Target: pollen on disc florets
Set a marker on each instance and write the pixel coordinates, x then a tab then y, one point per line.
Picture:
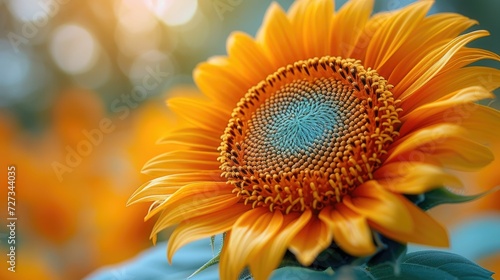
308	134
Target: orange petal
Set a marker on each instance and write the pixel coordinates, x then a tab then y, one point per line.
187	155
192	207
466	56
455	80
246	240
317	28
150	192
273	252
395	32
414	177
432	64
191	138
244	52
277	37
443	144
204	226
354	14
314	237
182	162
380	205
433	32
374	23
167	185
441	110
296	16
192	193
350	230
482	123
426	230
220	81
200	113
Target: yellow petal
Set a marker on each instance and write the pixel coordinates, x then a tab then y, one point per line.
314	237
379	205
355	14
394	33
273	252
350	230
246	240
426	230
204	226
414	177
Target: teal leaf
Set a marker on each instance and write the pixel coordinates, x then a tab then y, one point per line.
334	257
349	272
442	195
427	265
390	253
300	273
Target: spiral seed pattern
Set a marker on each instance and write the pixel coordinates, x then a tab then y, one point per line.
308	135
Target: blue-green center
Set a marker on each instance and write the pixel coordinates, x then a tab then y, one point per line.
300	123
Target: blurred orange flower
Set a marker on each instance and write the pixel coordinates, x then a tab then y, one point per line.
71	210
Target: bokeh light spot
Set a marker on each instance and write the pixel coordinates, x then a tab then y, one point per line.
173	12
73	49
33	10
135	17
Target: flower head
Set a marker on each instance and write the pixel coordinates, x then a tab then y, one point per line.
315	131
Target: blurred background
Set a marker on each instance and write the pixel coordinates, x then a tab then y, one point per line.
82	91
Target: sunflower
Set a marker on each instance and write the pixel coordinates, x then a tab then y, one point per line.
316	131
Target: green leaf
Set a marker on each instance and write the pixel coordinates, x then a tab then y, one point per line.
427	265
213	261
442	195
